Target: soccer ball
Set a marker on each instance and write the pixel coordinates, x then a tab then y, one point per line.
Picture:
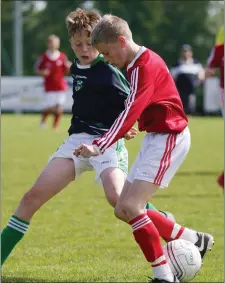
183	258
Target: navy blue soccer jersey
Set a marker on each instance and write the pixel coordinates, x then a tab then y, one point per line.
99	93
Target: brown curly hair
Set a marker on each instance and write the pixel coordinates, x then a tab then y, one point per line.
81	19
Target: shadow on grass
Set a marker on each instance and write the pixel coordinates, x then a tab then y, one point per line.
189	196
199	173
30	280
15	279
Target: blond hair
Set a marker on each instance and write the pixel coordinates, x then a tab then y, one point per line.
54	37
109	29
81	19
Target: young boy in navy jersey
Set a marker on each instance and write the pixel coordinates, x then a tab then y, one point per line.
99	93
154	101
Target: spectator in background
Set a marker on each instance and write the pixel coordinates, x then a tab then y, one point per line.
188	73
53	65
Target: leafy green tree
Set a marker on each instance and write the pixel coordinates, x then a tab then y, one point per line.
6	40
165	25
37	25
162	25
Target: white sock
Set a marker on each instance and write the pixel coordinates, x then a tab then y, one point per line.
189	235
163	272
42	125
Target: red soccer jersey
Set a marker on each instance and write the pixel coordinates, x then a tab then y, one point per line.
56	64
154	100
216	60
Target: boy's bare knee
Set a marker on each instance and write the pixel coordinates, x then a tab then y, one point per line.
130	210
112	200
119	213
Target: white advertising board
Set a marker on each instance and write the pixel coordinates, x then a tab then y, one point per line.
211	98
26	94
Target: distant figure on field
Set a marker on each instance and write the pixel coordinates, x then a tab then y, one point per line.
53	65
188	73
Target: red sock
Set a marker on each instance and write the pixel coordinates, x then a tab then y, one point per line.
220	180
167	229
56	120
147	236
45	115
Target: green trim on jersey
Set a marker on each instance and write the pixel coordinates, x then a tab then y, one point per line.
122	155
121	78
99	58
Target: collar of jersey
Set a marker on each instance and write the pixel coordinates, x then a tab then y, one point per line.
140	51
189	61
53	56
97	60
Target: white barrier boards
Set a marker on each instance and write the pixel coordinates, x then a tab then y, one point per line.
212	93
25	94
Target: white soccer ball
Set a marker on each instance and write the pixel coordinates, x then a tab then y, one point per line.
183	258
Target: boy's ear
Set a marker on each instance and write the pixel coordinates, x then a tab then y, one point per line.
122	41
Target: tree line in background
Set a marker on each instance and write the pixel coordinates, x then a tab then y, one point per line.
162	25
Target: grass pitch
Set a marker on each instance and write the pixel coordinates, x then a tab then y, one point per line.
75	236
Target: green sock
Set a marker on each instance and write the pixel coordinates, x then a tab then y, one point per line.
11	235
150	206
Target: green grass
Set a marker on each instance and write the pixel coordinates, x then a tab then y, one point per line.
75	236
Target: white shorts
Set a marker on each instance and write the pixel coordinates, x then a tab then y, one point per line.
160	157
53	98
116	156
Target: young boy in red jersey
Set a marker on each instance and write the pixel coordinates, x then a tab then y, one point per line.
53	65
216	60
154	101
102	86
